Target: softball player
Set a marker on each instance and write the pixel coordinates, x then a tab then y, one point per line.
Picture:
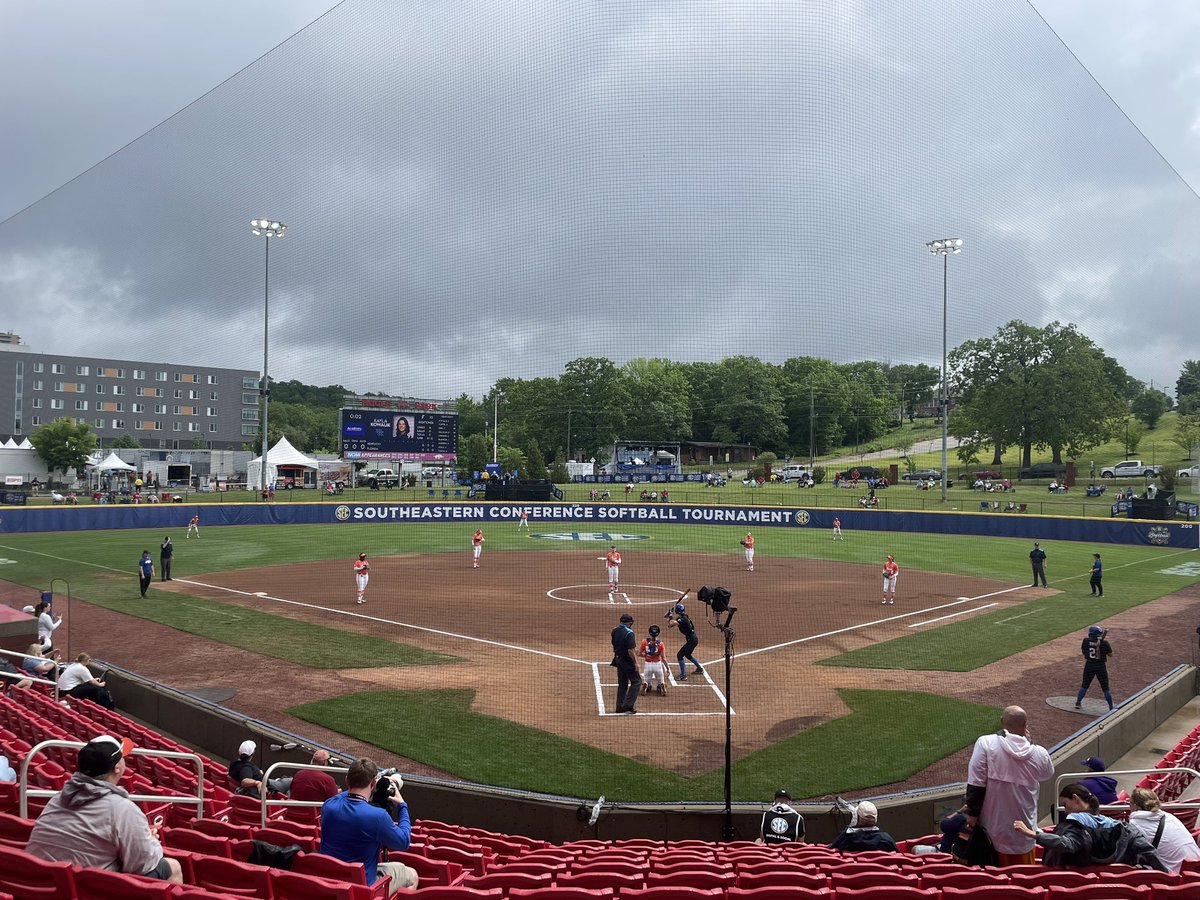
524	520
651	651
748	543
891	572
362	574
612	565
477	540
193	528
837	529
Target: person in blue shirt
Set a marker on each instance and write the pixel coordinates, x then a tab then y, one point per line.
353	830
145	572
1097	574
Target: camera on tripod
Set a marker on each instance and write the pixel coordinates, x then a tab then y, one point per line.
716	597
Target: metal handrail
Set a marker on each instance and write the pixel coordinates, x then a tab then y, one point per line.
26	792
17	654
1068	777
265	802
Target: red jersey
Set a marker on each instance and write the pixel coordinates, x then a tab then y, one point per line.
837	523
652	650
477	539
748	543
195	520
524	514
361	566
890	569
612	558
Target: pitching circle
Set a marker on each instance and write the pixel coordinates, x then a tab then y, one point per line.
597	595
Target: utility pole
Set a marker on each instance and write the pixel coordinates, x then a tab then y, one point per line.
812	429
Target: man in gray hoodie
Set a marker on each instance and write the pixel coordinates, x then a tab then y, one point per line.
92	822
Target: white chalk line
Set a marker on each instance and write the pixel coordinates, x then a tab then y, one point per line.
1019	616
961	612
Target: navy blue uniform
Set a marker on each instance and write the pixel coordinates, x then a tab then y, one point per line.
1096	651
1097	574
688	630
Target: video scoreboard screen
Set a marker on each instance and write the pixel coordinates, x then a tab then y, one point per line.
400	429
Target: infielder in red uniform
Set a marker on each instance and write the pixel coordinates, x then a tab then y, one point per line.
362	574
477	540
612	565
891	572
748	543
837	529
193	526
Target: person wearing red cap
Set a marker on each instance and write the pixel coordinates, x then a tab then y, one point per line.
891	572
92	822
362	574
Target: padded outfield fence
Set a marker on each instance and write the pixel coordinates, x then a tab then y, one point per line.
1181	535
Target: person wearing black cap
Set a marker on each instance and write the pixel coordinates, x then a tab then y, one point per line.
629	679
781	824
92	822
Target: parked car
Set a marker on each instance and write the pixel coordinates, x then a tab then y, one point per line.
922	475
791	473
982	475
1192	472
1043	470
864	472
1128	468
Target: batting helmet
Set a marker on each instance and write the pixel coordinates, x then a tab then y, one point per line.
1095	631
679	607
655	631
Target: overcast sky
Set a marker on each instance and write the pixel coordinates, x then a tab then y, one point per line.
487	189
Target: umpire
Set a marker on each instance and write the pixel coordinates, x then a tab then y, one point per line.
629	679
1037	559
690	641
1096	651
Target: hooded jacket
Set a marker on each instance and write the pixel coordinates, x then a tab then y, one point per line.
93	823
1002	786
1082	840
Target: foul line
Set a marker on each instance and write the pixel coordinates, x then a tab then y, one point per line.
1021	616
961	612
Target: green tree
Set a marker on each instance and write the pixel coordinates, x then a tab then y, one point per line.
660	401
1187	433
595	392
1134	433
474	453
471	417
535	463
750	409
915	386
1149	406
1187	387
126	441
817	402
64	444
559	473
511	459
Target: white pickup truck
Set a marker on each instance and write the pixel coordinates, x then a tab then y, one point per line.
1130	468
379	478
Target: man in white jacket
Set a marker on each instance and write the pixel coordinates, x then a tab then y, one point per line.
92	822
1002	786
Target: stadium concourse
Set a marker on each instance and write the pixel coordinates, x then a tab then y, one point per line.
213	837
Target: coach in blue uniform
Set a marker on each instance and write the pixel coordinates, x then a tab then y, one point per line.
1096	651
1097	574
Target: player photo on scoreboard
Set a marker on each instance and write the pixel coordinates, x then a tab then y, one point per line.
402	427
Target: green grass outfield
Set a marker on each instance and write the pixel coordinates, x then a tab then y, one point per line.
444	731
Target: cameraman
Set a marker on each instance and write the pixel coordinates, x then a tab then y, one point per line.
678	618
354	830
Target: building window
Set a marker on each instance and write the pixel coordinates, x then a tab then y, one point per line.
246	382
58	386
99	389
193	395
57	404
249	430
249	399
37	403
99	423
178	377
36	420
177	410
212	379
81	404
178	394
212	411
118	423
37	385
138	408
249	415
119	390
177	426
212	395
58	369
120	407
80	387
212	428
39	367
160	376
193	426
160	409
81	370
139	374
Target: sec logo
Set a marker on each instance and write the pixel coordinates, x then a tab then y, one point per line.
342	513
802	517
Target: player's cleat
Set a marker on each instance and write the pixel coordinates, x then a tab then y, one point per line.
645	688
699	671
884	601
891	603
1079	706
662	689
360	601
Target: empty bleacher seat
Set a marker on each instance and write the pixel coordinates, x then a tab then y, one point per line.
30	878
100	884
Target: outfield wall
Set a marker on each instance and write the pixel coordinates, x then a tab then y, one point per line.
1184	535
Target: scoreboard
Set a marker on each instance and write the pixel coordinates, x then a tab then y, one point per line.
399	429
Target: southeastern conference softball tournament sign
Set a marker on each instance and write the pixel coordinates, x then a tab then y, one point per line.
485	512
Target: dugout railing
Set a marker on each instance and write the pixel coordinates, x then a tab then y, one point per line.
25	791
266	803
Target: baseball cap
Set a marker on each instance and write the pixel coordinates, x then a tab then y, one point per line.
100	755
247	748
1095	763
867	810
891	557
362	556
781	794
626	617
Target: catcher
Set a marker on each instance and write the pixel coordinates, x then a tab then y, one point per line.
652	650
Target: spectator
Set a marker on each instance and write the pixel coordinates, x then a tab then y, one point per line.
47	625
781	824
312	785
92	822
863	832
952	826
78	681
1083	838
8	774
245	775
1169	837
353	830
1002	786
17	678
40	666
1104	787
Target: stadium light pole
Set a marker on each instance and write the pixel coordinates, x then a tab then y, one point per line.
945	247
266	229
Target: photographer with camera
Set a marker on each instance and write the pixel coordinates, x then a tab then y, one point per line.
1096	651
368	816
678	618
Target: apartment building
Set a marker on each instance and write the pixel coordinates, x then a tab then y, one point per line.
164	406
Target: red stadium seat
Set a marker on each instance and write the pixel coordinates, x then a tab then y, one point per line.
1184	891
783	877
1123	875
694	878
673	892
992	892
28	877
779	893
292	886
286	839
14	831
197	842
887	893
1109	891
559	893
231	877
442	892
352	873
840	881
623	867
1052	878
598	879
962	879
429	871
218	828
508	880
99	884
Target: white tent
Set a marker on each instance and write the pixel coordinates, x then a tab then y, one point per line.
283	454
26	445
10	444
114	463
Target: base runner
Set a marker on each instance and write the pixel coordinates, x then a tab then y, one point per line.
362	574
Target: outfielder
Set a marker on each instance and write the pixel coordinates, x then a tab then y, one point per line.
362	574
524	520
652	649
193	526
748	543
612	565
477	540
891	572
837	529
